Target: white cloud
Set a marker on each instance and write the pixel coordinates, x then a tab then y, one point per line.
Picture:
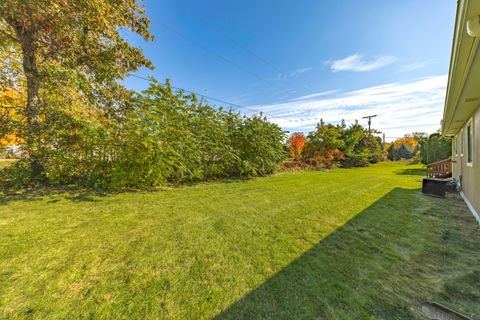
402	107
414	66
357	63
293	74
315	95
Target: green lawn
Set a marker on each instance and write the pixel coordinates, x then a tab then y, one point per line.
349	243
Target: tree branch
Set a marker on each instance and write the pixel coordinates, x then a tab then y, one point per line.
6	34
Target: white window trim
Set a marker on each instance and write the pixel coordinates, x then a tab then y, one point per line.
470	124
461	143
455	145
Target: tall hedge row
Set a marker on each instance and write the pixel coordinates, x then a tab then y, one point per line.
159	136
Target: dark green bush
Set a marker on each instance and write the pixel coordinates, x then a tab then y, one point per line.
435	148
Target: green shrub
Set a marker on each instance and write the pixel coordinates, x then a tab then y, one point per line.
353	146
435	148
158	137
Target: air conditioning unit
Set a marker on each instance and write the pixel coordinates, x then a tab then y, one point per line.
435	186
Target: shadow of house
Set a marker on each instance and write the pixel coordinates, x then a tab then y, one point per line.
412	172
382	264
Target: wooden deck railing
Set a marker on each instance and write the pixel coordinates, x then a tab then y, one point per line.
440	169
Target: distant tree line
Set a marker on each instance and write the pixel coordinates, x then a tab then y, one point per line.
420	147
405	148
334	145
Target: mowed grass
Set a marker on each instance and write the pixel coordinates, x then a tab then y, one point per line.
349	243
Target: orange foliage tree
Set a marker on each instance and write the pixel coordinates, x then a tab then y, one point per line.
326	159
403	148
11	107
296	144
409	142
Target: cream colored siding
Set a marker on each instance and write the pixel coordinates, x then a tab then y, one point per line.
468	171
461	115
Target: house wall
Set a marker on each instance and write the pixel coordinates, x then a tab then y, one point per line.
470	173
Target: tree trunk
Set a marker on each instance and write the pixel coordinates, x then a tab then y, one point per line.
26	37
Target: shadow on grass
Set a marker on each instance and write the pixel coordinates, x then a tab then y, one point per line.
72	194
77	194
412	172
377	265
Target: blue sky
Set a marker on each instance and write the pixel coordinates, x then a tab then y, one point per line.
303	60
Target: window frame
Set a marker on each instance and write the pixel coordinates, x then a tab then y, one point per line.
460	136
469	139
455	146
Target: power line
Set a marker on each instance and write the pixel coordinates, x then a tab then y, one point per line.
213	99
189	39
219	100
223	34
191	92
230	103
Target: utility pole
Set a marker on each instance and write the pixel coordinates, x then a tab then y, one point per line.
383	147
369	123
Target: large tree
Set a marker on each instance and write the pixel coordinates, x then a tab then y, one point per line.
76	37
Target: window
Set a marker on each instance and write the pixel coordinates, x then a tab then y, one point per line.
469	143
455	146
461	143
